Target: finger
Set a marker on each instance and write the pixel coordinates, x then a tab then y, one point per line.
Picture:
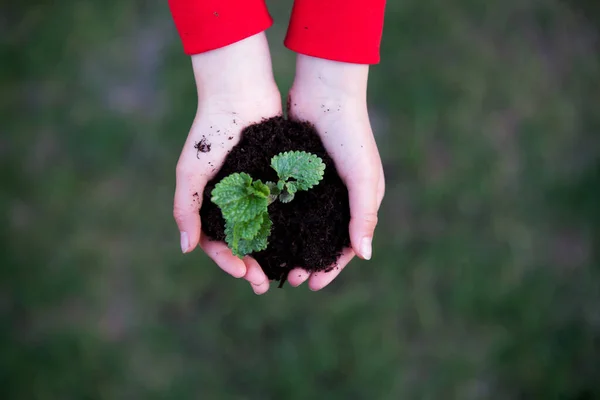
262	288
221	255
187	202
318	280
362	193
254	273
297	276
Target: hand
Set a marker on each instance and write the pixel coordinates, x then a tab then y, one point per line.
235	89
332	96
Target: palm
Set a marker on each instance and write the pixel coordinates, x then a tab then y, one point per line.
214	133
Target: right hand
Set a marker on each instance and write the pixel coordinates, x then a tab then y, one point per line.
235	89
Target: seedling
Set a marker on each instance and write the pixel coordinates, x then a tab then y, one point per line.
244	202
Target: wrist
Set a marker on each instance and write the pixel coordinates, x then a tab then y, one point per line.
242	69
333	79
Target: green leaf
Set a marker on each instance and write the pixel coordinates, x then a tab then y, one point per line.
232	238
280	185
260	189
238	199
291	187
286	197
274	192
273	189
249	229
306	168
240	246
230	189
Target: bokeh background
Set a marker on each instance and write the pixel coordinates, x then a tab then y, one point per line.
485	280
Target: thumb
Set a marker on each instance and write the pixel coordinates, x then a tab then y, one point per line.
363	215
186	206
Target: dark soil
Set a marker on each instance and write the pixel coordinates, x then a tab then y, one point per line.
202	146
309	232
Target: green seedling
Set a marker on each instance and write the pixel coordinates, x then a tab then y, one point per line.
244	202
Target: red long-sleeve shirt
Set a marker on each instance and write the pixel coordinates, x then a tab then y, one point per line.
340	30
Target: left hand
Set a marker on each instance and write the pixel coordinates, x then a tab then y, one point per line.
332	96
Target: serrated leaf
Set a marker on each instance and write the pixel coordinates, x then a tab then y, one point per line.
286	197
260	189
249	229
291	187
241	247
260	241
274	192
238	199
231	189
245	209
273	189
306	168
280	185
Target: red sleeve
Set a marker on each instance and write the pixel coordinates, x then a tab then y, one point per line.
339	30
205	25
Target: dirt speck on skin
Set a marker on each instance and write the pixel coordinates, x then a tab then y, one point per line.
203	146
230	138
216	14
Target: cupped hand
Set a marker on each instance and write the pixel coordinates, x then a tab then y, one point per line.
332	96
235	89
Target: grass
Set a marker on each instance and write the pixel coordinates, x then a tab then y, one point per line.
484	282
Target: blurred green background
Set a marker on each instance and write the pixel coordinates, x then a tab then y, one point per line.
485	281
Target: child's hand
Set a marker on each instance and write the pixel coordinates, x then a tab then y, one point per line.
332	96
235	89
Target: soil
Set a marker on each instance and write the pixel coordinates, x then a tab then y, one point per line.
309	232
202	146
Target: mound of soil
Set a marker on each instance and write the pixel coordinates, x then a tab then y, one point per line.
309	232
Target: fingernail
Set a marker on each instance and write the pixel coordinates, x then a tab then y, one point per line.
185	242
365	248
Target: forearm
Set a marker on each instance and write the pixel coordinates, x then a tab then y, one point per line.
333	78
235	70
